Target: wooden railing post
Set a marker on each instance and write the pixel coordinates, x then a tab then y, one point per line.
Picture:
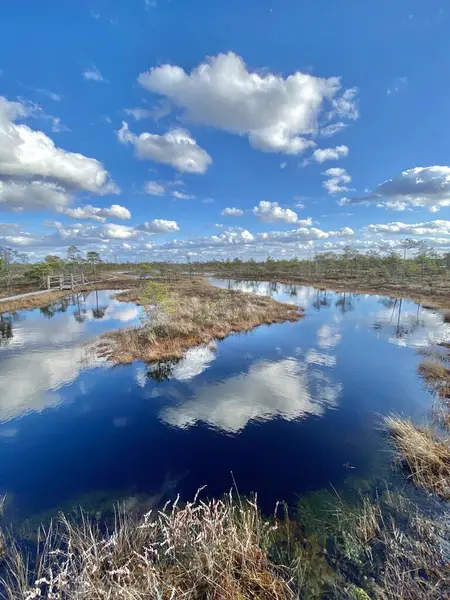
61	282
48	282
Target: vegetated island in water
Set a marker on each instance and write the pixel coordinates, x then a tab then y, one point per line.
381	547
187	311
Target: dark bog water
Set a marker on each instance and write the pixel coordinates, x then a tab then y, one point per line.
287	409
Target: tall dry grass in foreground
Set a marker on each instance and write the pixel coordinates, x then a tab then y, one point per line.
186	312
214	549
426	456
224	549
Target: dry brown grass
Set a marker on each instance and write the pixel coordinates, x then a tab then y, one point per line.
196	313
434	371
29	302
36	301
219	550
426	456
204	550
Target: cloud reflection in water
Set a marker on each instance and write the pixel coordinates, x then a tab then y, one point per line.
288	389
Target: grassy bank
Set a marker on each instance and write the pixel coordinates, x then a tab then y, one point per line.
29	302
37	301
425	455
434	292
185	312
425	451
381	548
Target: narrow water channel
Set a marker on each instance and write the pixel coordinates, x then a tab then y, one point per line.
283	410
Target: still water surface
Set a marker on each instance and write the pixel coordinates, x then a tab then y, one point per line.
287	408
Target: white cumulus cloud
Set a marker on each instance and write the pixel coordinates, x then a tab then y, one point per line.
438	227
322	154
175	148
420	187
154	188
336	180
232	212
277	114
35	195
271	212
27	154
115	211
159	226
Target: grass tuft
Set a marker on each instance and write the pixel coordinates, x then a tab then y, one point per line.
434	371
426	456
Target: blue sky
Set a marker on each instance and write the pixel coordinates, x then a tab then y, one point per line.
131	127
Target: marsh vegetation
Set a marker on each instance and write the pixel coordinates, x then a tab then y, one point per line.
380	547
187	311
425	451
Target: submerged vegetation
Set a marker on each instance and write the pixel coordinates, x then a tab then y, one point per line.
383	548
184	312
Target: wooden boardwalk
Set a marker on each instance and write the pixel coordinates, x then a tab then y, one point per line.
65	282
78	285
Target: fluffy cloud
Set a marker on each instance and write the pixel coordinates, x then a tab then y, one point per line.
154	188
303	234
238	237
277	114
271	212
438	227
99	236
28	154
382	243
115	211
322	154
37	175
427	187
231	237
175	148
336	180
232	212
34	195
159	226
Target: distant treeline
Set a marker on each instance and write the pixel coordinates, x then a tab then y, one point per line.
414	260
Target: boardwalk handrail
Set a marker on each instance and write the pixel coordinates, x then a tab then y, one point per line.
65	282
